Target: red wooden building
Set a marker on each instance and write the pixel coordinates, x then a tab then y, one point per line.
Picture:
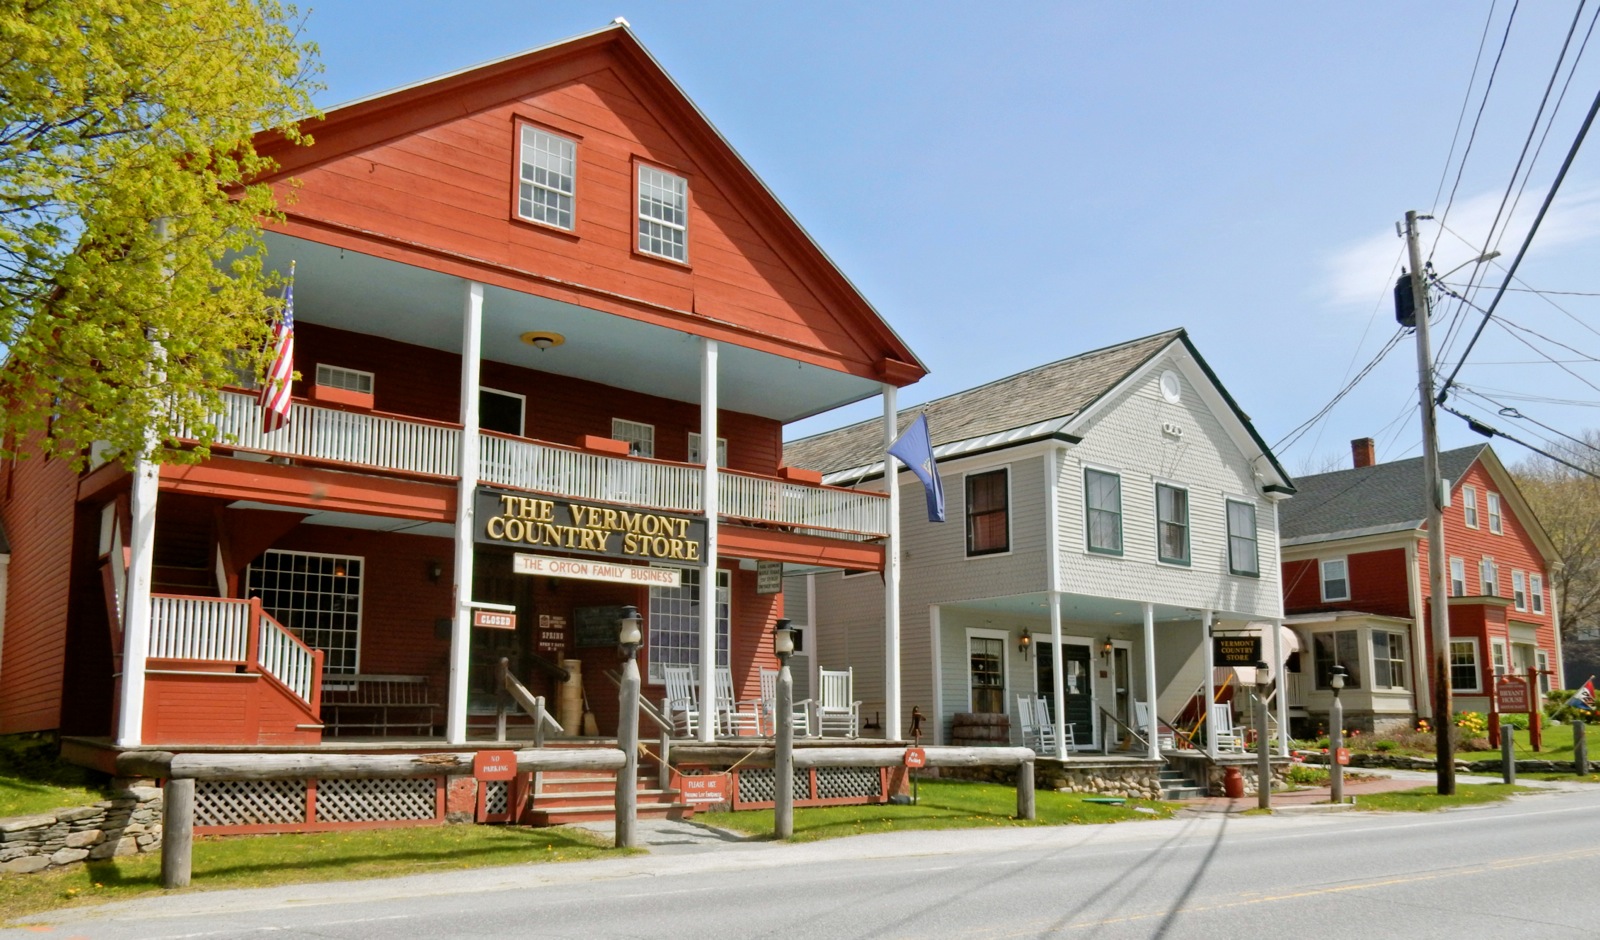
1355	576
543	309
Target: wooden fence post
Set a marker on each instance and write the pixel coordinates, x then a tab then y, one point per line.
177	833
1025	807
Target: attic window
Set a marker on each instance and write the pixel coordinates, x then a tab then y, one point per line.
547	186
663	214
350	380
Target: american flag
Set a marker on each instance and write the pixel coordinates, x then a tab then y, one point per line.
275	398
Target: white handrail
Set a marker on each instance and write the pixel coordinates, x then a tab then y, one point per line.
202	628
351	437
285	658
581	475
813	507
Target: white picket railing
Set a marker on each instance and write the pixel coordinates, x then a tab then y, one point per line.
387	443
202	628
1297	688
285	658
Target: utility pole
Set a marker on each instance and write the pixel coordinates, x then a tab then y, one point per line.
1440	662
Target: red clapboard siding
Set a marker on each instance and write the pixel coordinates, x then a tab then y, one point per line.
39	522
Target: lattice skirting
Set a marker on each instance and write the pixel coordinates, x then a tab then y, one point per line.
496	797
825	786
308	804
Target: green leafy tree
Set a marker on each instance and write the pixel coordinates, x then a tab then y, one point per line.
1567	503
130	228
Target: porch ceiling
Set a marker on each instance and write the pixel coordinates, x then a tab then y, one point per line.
364	294
1080	607
354	520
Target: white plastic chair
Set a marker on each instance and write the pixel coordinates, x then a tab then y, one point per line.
1047	726
800	716
835	710
1222	730
1166	739
681	706
735	717
1027	717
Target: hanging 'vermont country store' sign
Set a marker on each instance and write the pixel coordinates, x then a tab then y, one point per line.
521	520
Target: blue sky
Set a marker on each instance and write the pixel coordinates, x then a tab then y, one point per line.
1013	184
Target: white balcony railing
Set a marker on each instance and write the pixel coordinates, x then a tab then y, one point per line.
387	443
199	628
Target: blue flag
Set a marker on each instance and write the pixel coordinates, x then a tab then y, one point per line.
915	450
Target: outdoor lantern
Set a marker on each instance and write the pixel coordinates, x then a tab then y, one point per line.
1025	642
782	639
629	635
1336	680
1105	651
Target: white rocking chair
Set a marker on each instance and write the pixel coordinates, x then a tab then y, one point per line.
835	710
735	717
1222	730
800	717
1166	738
681	706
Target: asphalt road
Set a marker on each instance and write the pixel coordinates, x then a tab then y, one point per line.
1519	869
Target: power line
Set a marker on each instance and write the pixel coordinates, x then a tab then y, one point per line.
1491	432
1301	429
1507	411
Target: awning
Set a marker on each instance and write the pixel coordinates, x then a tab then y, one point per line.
1246	675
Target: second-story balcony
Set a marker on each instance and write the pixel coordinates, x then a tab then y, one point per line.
374	441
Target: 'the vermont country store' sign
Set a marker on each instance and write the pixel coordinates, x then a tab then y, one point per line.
516	520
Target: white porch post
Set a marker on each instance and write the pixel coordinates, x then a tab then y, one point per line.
136	613
708	576
1057	680
891	573
1052	559
1211	683
466	487
1152	740
1283	688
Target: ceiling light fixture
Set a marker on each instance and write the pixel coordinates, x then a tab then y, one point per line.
543	339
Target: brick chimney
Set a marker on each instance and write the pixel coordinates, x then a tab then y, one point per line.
1364	452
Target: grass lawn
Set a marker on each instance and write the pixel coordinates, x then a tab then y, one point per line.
258	861
942	804
21	797
1427	799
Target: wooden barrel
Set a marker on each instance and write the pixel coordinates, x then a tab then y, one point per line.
979	729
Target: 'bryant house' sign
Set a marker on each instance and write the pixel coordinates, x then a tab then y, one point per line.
516	520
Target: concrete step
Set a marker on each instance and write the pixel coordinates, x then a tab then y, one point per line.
1182	793
590	797
598	812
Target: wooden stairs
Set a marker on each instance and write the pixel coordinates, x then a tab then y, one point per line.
571	796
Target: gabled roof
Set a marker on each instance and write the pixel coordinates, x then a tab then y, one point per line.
1042	402
1385	497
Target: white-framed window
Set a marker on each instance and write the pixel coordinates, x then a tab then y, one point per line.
1335	579
548	182
641	437
1536	592
1546	681
695	457
1102	501
1244	555
663	214
501	411
317	597
350	380
674	624
1519	590
1489	577
986	671
1497	655
1469	506
1464	666
989	512
1458	578
1495	522
1389	660
1172	524
1337	646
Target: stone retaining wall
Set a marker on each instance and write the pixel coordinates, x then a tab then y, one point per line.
1139	781
1217	773
129	823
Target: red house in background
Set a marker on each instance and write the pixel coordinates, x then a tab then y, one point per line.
543	309
1355	574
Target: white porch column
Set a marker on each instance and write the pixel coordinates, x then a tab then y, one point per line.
1057	680
1153	716
136	612
891	573
1283	688
455	727
708	576
1211	682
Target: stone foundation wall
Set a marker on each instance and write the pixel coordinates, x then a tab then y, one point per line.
1217	773
129	823
1136	781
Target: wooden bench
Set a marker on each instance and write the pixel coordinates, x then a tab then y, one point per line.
374	704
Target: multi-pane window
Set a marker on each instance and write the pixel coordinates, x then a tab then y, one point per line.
1489	576
1545	679
988	516
548	178
674	626
1536	592
1464	665
318	597
1335	579
987	673
1469	506
1519	590
1497	652
1388	660
352	380
1102	498
663	214
1495	523
695	456
1338	646
641	438
1458	578
1243	555
1172	524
